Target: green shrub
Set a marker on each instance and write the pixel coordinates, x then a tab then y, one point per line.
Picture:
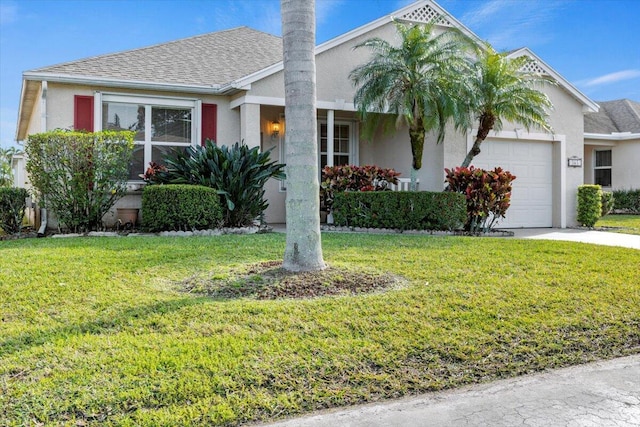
337	179
627	201
6	173
239	173
79	175
12	206
175	207
487	193
607	202
403	210
589	204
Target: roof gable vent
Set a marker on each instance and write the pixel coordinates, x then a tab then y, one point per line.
426	14
533	67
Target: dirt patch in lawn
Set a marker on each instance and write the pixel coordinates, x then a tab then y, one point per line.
269	281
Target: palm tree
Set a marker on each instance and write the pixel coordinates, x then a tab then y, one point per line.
413	84
303	251
500	88
6	173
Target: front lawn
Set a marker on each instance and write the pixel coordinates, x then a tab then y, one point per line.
95	331
628	224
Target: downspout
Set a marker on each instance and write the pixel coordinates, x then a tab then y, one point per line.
43	128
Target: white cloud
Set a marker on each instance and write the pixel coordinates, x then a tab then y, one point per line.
611	78
480	15
325	8
509	24
8	13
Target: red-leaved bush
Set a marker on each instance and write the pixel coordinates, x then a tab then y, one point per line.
488	194
353	178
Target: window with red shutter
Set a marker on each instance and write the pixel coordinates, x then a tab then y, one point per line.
83	113
209	122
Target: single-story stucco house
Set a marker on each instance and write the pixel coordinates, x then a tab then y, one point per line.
228	86
612	145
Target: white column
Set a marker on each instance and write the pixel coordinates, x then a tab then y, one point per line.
330	126
250	124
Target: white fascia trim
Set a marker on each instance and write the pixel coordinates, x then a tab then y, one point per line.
612	136
357	32
589	106
21	110
129	84
279	102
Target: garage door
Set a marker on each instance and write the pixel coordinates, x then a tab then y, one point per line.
532	164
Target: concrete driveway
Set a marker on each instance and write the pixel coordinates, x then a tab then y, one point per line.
584	236
599	394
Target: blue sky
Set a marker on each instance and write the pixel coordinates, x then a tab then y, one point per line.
595	44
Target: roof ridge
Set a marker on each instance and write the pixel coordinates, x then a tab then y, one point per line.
137	49
634	111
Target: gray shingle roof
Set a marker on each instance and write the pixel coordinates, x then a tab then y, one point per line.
209	59
622	115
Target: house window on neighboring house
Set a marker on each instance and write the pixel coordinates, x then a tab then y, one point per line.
602	171
161	126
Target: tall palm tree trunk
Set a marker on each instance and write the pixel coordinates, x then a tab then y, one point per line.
303	250
487	121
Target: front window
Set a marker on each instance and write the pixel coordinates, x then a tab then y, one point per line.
602	171
340	152
160	129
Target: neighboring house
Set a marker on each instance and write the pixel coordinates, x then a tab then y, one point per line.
228	86
612	145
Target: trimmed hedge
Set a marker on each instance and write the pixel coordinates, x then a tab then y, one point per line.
12	206
607	202
627	201
589	204
402	210
175	207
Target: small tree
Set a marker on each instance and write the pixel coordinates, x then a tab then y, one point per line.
12	206
500	88
6	174
79	175
414	84
488	195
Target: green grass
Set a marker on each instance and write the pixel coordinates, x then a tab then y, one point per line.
628	224
94	331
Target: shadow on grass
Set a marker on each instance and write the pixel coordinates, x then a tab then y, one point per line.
111	324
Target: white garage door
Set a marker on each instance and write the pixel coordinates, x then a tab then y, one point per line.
532	164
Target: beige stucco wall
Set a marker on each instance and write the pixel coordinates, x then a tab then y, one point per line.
60	106
625	157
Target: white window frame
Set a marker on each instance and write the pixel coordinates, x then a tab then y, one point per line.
149	102
353	146
606	167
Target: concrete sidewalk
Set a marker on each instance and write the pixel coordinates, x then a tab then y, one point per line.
599	394
567	234
576	235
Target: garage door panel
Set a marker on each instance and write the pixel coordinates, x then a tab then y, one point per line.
532	164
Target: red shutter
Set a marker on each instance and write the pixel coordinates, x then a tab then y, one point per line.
83	113
209	122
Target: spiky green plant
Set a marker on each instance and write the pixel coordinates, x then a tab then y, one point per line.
237	172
